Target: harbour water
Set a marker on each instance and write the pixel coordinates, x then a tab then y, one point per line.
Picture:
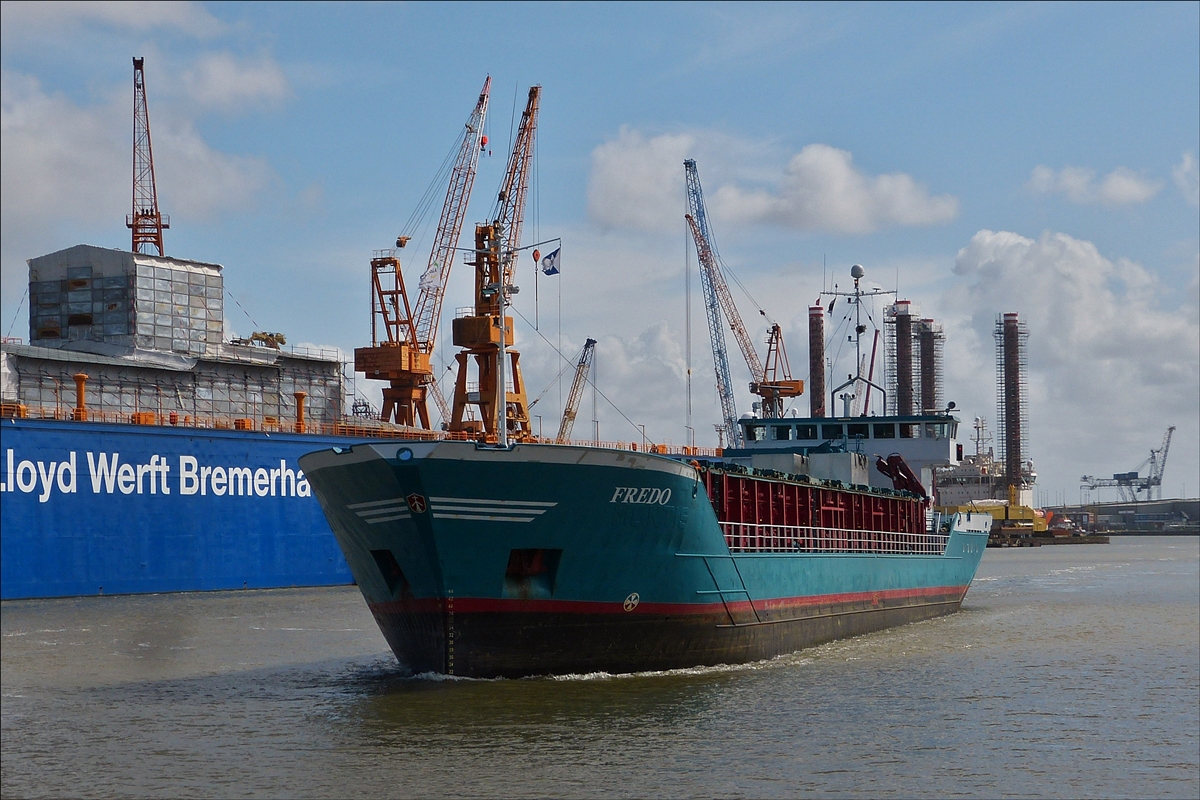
1071	671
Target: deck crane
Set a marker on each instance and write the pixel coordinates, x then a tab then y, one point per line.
146	222
487	333
572	408
1129	484
400	352
773	383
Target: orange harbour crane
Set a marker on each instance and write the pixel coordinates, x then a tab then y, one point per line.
572	407
146	222
487	334
776	384
403	335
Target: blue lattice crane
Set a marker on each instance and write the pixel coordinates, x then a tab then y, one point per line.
706	252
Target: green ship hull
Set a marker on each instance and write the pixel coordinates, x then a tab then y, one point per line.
548	559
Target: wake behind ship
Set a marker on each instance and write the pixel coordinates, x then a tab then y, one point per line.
544	559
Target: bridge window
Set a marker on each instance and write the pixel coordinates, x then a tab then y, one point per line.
859	430
756	433
910	430
808	432
781	432
832	431
935	430
885	430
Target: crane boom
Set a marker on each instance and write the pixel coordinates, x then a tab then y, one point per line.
146	222
1130	484
1158	461
509	214
401	355
454	209
698	222
486	334
572	407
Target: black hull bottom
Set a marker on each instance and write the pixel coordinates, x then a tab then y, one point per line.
519	643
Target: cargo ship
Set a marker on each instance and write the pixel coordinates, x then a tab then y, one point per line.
508	556
544	559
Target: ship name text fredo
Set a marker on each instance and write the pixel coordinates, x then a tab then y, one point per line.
643	496
108	474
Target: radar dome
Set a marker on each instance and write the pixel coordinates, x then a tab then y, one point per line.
857	271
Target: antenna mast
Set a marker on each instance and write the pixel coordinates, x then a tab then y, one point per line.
146	222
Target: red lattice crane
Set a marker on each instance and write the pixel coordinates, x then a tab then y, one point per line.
479	334
776	384
146	222
402	335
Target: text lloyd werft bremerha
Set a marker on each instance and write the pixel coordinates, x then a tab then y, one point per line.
108	475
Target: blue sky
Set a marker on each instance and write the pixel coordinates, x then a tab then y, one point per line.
1012	157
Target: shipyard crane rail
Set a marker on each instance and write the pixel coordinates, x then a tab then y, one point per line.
572	407
400	353
146	222
697	219
1130	484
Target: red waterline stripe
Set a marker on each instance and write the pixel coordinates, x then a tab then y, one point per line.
468	605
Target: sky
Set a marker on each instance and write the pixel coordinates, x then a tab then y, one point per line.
977	158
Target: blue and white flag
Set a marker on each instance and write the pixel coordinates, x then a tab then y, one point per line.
550	263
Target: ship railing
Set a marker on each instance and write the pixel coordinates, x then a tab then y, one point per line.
349	426
745	537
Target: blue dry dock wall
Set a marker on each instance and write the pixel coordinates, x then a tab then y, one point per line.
88	508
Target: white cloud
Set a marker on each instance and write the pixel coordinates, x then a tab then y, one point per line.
637	182
1120	187
822	190
223	82
189	18
1110	364
1187	178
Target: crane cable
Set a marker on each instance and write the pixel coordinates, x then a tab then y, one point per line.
595	388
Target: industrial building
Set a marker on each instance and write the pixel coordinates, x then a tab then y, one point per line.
146	333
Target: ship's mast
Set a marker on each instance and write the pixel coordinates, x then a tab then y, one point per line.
852	383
